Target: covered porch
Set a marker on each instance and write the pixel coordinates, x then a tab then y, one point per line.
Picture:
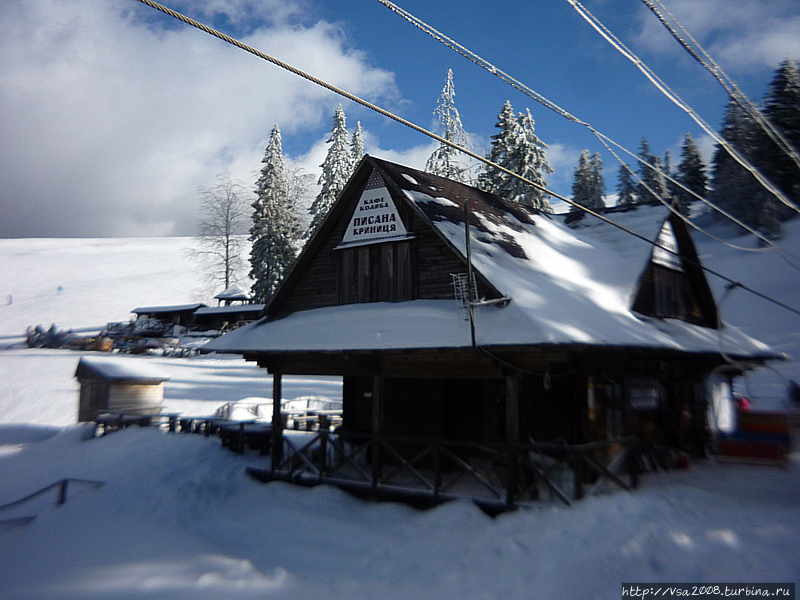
501	426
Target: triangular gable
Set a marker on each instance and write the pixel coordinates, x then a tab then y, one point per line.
662	256
375	217
315	276
674	285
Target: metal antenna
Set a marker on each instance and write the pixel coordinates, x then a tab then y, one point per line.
470	281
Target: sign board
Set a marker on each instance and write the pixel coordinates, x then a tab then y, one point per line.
644	394
375	219
666	238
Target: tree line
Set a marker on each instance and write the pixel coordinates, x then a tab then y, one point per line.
724	182
277	232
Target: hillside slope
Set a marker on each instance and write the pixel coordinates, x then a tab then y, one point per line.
101	280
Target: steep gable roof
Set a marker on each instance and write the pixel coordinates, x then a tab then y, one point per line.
675	285
565	288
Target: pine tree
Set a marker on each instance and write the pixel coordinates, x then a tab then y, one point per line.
691	173
444	160
649	178
626	189
734	188
336	170
581	186
672	189
492	180
357	144
588	186
528	158
598	182
782	108
274	226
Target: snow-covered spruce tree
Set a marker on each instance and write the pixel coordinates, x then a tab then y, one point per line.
650	178
672	189
782	108
528	158
626	188
733	187
581	186
492	180
336	170
691	173
275	225
598	182
587	185
357	144
445	161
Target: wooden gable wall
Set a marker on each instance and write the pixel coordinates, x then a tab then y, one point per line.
325	276
681	293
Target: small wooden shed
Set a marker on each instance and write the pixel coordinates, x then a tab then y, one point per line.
230	295
118	385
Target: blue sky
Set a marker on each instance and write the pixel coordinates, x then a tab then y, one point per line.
114	115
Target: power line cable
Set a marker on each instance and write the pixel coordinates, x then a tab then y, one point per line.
661	86
698	53
604	139
382	111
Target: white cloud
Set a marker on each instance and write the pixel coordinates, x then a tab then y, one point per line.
112	124
740	34
563	159
242	12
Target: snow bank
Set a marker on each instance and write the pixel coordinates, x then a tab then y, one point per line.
178	518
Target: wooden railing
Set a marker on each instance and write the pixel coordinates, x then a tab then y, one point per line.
62	485
437	470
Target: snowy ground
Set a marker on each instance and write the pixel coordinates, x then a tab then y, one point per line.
178	518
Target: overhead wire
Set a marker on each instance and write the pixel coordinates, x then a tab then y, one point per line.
604	139
699	54
382	111
669	93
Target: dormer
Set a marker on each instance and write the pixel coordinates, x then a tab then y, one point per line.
673	284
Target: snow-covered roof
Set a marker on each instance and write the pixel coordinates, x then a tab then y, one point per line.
232	293
153	310
565	288
118	369
236	308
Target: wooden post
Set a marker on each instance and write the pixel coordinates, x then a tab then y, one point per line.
277	421
323	444
377	426
512	434
62	492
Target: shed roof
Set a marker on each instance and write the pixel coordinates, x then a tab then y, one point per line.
237	308
133	370
232	293
153	310
565	287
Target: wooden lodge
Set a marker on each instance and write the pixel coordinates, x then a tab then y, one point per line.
482	377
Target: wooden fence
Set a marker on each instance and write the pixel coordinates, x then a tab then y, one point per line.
496	475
